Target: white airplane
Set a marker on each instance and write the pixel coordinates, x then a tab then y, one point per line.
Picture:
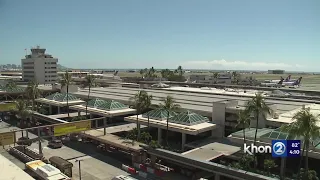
160	85
293	84
278	83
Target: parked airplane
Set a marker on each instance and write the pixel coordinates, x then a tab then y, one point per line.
293	84
278	80
273	84
160	85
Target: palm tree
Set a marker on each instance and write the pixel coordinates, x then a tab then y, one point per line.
234	75
244	122
179	70
21	110
33	92
141	102
66	81
304	125
169	105
90	82
11	84
215	76
258	106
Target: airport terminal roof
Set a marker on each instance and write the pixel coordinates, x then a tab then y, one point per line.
60	99
211	151
250	133
108	105
198	102
192	129
287	116
16	89
106	108
188	118
159	114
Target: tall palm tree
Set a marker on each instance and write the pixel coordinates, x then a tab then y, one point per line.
179	70
90	82
11	84
215	76
21	110
169	105
257	106
141	102
244	122
33	92
304	125
66	81
234	75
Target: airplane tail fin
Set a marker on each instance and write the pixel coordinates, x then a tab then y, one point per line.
288	78
281	80
115	73
298	81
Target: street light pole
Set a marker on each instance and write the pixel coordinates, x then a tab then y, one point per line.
79	161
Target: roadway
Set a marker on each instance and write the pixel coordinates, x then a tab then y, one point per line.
187	100
95	166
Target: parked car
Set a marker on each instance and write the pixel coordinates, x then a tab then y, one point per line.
57	143
24	141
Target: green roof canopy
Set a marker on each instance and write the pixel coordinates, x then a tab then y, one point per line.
12	90
95	103
250	132
108	105
188	118
61	97
159	114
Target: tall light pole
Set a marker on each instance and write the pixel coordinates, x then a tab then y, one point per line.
79	161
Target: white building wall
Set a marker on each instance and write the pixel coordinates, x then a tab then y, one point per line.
40	67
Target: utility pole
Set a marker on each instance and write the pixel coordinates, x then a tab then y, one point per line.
79	161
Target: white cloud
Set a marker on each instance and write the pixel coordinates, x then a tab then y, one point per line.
240	65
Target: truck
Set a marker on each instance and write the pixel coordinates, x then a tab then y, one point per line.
40	170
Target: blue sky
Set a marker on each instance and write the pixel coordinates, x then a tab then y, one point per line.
209	34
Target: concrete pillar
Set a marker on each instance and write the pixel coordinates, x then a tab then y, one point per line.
58	109
39	142
216	177
218	118
97	123
104	126
159	135
183	141
50	110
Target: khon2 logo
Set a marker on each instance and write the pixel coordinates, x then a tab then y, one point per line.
279	148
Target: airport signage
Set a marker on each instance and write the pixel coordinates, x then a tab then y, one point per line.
67	128
7	138
279	148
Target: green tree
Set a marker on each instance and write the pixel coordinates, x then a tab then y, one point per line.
244	122
11	84
33	92
169	105
215	77
307	175
141	102
66	81
89	82
179	70
234	75
258	107
146	137
22	111
304	125
269	164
